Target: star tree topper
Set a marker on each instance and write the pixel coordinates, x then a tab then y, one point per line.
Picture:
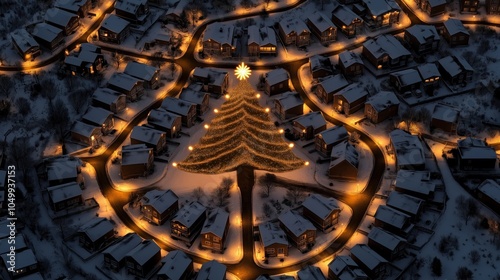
242	71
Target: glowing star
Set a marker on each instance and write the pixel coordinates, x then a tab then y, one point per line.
242	71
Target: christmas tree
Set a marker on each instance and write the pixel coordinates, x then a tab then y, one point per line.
241	134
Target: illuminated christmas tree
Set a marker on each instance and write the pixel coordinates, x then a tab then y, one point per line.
241	134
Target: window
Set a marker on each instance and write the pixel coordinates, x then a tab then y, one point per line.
281	250
216	239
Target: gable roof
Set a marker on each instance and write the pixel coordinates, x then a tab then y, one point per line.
445	113
380	7
276	76
193	96
189	213
333	134
345	15
272	234
106	95
96	228
384	238
296	223
403	202
406	144
382	100
352	93
345	268
334	83
216	222
114	23
97	115
455	26
386	44
320	21
65	191
175	263
291	24
311	273
146	135
407	77
454	65
428	70
344	151
130	6
124	81
219	32
262	36
119	250
289	100
58	16
367	256
321	206
62	168
160	200
473	148
319	62
313	119
391	216
423	32
212	270
414	181
162	118
23	40
84	129
144	251
177	106
24	259
46	32
349	58
135	154
491	189
140	70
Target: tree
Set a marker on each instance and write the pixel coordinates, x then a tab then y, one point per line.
4	107
436	267
267	210
463	273
267	183
226	185
20	152
117	59
6	85
219	197
409	117
474	256
467	207
58	118
295	194
78	99
198	194
23	106
48	88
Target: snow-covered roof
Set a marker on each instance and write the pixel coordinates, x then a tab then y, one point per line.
215	76
140	70
19	241
216	222
289	100
491	189
383	100
73	60
84	129
193	96
23	40
271	233
391	216
454	65
175	263
144	251
345	268
276	76
62	168
321	206
384	238
386	44
119	250
311	273
380	7
97	115
46	32
318	62
345	15
445	113
332	84
160	200
434	3
96	228
212	270
146	135
333	134
320	20
344	151
404	202
58	16
88	57
135	154
114	23
177	106
189	213
219	32
162	118
455	26
423	32
262	36
408	148
124	81
23	259
70	5
367	256
313	119
415	181
473	148
295	223
291	24
349	58
352	93
65	191
177	7
88	47
407	77
106	95
428	70
130	6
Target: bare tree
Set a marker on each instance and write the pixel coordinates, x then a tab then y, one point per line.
78	99
409	117
58	118
226	185
267	210
198	193
23	106
48	88
219	197
267	183
474	256
6	85
463	273
467	207
20	152
295	195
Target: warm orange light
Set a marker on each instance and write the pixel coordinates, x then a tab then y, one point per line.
206	126
290	145
306	163
281	130
216	111
174	164
267	110
258	95
190	148
227	96
242	71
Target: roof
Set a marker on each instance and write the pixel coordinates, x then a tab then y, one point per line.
454	65
23	40
473	148
407	77
129	6
46	32
320	20
119	250
160	200
140	70
175	263
271	233
62	168
162	118
178	7
383	100
345	15
333	134
291	24
58	16
445	113
114	23
71	5
212	270
189	213
295	223
84	129
391	216
135	154
73	60
384	238
20	243
367	256
65	191
220	32
177	106
344	151
24	259
408	148
415	181
289	100
88	47
313	119
216	222
491	189
96	228
455	26
97	115
276	76
434	3
106	95
423	32
403	202
122	80
318	62
349	58
428	70
386	44
144	251
311	273
263	36
193	96
332	84
352	93
345	268
146	135
215	76
321	206
380	7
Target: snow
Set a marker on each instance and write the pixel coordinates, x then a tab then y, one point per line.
65	191
471	148
19	242
333	134
407	77
130	6
404	203
162	118
392	217
292	24
193	96
221	33
333	84
384	238
46	32
386	45
175	263
491	189
405	145
119	250
123	81
96	228
106	95
146	135
84	129
321	206
216	222
23	259
367	256
415	181
428	71
352	93
177	106
289	100
135	154
319	62
345	15
380	7
58	17
144	252
344	151
189	214
313	119
345	268
140	70
295	223
24	40
97	116
445	113
271	233
453	65
160	200
276	76
310	273
320	21
62	168
262	36
455	26
423	33
212	270
382	100
114	23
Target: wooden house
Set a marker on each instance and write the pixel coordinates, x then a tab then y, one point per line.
372	263
167	122
157	206
65	196
475	154
20	241
389	246
468	6
99	117
48	36
152	138
393	220
492	7
137	160
273	239
114	255
261	41
386	51
415	183
200	98
133	88
186	110
310	272
109	99
322	211
407	149
26	46
407	204
405	81
288	105
84	63
322	27
430	77
176	266
212	270
61	19
86	134
143	258
455	33
214	81
344	267
380	13
135	11
423	39
326	139
294	31
381	106
349	99
300	231
489	193
455	70
63	170
78	7
218	40
432	7
329	86
94	234
320	66
148	74
350	64
113	29
445	118
214	231
25	264
308	125
344	162
347	21
276	81
187	223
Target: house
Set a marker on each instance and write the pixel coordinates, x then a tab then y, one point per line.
176	266
85	63
325	140
152	138
320	66
469	6
386	51
214	81
79	7
308	125
261	41
276	81
294	31
86	134
349	99
135	11
214	230
328	86
380	13
322	211
165	121
288	105
415	183
133	88
489	193
344	267
432	7
445	118
455	70
186	110
137	160
201	99
65	196
310	273
408	150
393	220
404	81
3	190
62	170
174	12
386	244
347	21
475	154
423	39
350	64
300	231
25	264
218	40
27	47
410	205
148	74
61	19
430	77
48	36
113	29
114	255
492	7
109	99
273	239
101	118
373	264
322	27
455	33
95	233
187	223
143	258
344	162
157	206
275	277
18	240
212	270
381	106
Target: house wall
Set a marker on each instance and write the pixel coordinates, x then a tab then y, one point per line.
493	7
449	127
277	88
373	274
302	242
156	217
272	250
85	241
343	171
67	203
352	70
460	39
142	270
385	252
134	170
486	199
324	225
425	6
476	164
215	243
469	6
181	232
253	49
320	73
377	117
429	46
325	97
112	37
211	47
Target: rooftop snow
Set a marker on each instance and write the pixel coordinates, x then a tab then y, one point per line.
124	81
367	256
88	47
221	33
135	154
311	273
318	62
96	228
434	3
24	259
349	58
352	93
454	65
162	118
144	251
415	181
384	238
212	270
332	84
428	70
106	95
46	32
472	148
391	216
70	5
295	223
114	23
84	129
313	119
175	263
97	115
491	189
177	106
445	113
263	36
130	6
119	250
407	77
321	206
292	24
140	70
289	100
160	200
146	135
58	16
345	268
344	151
455	26
383	100
193	96
65	191
380	7
345	15
334	134
404	202
276	76
19	242
423	32
23	40
189	213
320	20
271	233
408	148
73	60
62	168
216	222
386	44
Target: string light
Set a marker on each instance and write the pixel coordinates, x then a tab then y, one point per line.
174	164
216	111
190	148
206	126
